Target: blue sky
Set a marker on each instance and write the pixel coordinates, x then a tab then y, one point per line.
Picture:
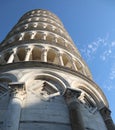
90	23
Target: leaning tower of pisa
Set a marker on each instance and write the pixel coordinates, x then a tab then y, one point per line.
44	82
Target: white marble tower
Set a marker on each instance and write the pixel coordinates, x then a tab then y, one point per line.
44	82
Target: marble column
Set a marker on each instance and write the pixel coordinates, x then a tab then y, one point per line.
44	55
2	60
106	115
44	36
16	59
28	53
11	58
17	95
74	65
60	59
21	36
32	35
71	96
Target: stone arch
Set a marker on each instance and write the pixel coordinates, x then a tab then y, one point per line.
39	36
66	60
16	30
40	25
33	12
17	37
43	19
27	36
34	19
50	37
7	78
69	46
88	73
92	94
31	26
57	30
49	27
78	66
21	53
52	56
23	27
10	40
36	53
7	56
60	41
4	85
29	19
48	76
93	91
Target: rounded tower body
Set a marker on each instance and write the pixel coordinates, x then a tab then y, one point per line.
44	82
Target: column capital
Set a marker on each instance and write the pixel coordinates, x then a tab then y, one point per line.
105	112
106	115
17	89
44	50
71	95
14	50
28	48
59	53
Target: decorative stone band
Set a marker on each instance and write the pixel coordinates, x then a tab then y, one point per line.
106	115
71	96
17	92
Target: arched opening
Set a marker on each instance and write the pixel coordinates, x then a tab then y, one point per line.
38	36
17	37
65	59
31	26
21	53
4	87
34	19
27	36
69	47
7	56
57	30
24	27
44	98
52	57
49	27
90	98
36	54
60	41
50	38
40	26
33	12
78	66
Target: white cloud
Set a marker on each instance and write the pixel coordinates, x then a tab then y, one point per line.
109	83
112	73
102	47
106	54
92	48
108	86
113	44
104	50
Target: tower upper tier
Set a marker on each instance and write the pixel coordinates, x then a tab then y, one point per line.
40	35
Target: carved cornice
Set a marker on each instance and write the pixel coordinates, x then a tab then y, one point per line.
34	64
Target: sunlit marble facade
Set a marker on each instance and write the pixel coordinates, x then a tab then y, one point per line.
44	82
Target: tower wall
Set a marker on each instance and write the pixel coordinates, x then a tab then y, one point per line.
44	82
